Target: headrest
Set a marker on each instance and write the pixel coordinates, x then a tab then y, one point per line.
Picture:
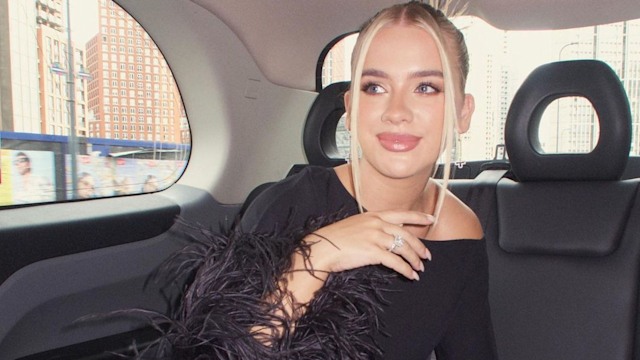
319	136
591	79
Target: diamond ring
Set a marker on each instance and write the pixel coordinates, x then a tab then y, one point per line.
398	242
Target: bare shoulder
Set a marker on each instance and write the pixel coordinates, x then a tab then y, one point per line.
456	221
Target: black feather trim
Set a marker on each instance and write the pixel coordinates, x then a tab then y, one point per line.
235	288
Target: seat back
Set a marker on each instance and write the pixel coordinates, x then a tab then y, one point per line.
319	136
564	241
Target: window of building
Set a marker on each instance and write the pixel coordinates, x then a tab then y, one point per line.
56	168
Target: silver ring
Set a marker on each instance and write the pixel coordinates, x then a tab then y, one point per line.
398	242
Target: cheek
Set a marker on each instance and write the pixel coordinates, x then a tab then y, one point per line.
369	117
369	108
432	120
432	132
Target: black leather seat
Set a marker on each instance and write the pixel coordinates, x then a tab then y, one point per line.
319	136
564	238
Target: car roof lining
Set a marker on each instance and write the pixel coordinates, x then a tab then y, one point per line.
265	26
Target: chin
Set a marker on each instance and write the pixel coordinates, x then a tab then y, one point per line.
398	171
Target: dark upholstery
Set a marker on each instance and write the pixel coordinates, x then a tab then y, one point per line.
319	136
577	219
593	80
564	244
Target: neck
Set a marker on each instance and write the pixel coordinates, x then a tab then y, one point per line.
380	192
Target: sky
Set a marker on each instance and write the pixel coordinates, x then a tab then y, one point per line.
84	20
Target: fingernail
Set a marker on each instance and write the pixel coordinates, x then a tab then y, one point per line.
427	254
416	276
430	217
421	266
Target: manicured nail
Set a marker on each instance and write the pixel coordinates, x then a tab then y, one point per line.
427	254
430	217
416	276
421	266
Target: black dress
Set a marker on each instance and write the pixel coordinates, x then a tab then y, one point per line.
446	311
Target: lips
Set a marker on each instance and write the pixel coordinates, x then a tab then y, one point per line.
398	142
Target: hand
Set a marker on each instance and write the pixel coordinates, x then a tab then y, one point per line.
366	239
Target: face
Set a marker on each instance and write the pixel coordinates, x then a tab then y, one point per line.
150	185
85	187
22	164
401	111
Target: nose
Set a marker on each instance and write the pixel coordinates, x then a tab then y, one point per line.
397	110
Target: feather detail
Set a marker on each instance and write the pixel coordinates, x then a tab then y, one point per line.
234	288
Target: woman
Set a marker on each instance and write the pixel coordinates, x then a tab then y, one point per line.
312	271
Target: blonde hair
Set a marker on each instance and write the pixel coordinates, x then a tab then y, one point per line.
447	38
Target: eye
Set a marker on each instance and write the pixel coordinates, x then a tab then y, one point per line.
427	88
372	88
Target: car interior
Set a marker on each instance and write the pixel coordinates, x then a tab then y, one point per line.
562	229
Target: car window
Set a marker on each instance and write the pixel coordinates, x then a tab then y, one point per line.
500	61
90	107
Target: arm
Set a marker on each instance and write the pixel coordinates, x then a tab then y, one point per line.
332	246
354	242
241	299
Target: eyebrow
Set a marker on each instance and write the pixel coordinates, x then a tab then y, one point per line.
415	74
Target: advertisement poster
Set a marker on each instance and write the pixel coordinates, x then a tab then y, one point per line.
27	177
108	176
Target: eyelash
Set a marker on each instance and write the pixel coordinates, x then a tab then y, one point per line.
435	88
366	87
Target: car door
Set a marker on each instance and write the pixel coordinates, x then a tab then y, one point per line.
80	235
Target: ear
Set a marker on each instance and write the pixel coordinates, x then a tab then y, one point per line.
347	107
464	120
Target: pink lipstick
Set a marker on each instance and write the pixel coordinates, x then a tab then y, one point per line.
397	142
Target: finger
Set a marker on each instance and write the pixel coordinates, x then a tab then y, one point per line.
402	248
396	263
407	217
412	241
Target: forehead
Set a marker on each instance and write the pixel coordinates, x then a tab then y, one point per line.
403	45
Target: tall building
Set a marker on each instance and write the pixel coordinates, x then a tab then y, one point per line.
63	82
133	95
119	88
34	88
336	63
618	45
568	124
19	87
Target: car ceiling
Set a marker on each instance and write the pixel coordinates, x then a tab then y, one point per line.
286	36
